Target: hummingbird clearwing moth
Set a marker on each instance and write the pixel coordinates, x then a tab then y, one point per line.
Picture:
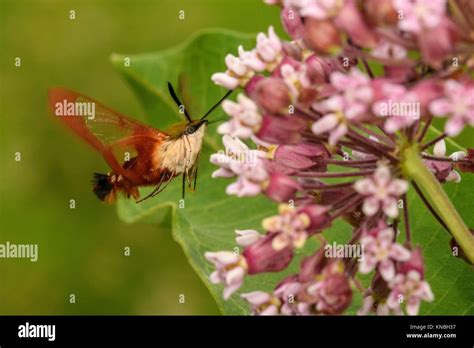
154	157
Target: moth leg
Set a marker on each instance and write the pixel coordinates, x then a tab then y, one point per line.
151	194
158	188
195	178
183	186
195	173
162	188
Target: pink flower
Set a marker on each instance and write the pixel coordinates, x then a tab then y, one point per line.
375	298
317	103
417	15
345	107
237	74
409	289
317	9
240	70
400	107
269	48
281	302
242	162
230	270
356	91
372	304
381	191
246	119
251	59
293	226
444	170
295	79
331	292
381	252
290	226
287	292
389	50
247	237
262	303
334	124
457	104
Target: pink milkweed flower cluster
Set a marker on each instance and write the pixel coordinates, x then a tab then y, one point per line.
320	126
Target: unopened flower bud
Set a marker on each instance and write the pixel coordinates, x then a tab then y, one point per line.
379	287
415	263
317	70
252	84
352	22
289	159
318	217
262	257
273	95
292	22
462	12
438	42
281	129
468	162
380	12
281	188
312	265
321	36
425	92
335	294
292	50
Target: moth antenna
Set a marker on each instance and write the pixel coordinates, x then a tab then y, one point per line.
217	104
177	101
217	121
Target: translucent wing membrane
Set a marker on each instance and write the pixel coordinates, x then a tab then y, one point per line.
119	139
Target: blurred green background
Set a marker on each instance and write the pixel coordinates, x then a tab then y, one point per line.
81	251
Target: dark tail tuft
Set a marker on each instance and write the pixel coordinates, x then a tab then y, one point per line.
103	188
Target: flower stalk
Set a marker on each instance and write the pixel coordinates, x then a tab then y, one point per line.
416	170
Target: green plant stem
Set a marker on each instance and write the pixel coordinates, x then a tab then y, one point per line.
416	170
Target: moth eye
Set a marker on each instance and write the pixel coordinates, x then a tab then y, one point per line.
190	130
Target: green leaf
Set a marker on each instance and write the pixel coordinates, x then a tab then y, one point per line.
209	217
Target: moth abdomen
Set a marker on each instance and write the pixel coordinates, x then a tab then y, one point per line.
106	187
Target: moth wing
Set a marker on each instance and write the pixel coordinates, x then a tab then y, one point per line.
114	135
